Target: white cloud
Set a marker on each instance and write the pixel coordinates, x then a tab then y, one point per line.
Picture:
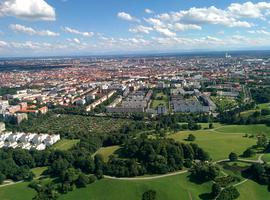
184	27
249	9
3	44
75	40
235	15
211	15
154	21
262	32
27	9
31	31
126	16
74	31
165	31
148	11
141	29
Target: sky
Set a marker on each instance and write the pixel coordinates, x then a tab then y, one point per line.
91	27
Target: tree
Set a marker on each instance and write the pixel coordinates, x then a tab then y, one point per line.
191	138
248	153
92	179
265	112
149	195
262	141
211	126
82	181
47	192
216	189
2	178
70	175
58	167
233	157
203	171
228	193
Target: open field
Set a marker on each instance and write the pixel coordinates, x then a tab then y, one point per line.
65	144
266	158
38	171
249	129
218	145
17	192
179	187
105	152
251	190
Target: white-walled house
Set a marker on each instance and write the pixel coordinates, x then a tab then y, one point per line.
27	140
51	139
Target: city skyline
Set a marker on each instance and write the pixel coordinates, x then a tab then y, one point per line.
68	27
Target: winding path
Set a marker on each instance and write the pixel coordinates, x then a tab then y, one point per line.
147	178
259	160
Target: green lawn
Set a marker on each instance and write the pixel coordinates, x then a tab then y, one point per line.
234	169
250	129
18	191
264	106
65	144
251	190
266	158
260	107
169	188
107	151
160	99
38	171
219	145
206	125
156	103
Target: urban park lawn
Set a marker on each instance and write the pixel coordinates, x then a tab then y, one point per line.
106	152
249	129
65	144
168	188
217	144
18	191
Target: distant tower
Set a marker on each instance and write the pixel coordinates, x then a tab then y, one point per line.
227	55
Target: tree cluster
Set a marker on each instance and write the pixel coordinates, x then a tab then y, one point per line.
157	156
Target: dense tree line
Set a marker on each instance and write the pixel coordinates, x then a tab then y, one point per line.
228	193
204	171
260	173
261	94
154	157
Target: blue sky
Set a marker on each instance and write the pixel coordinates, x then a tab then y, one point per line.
85	27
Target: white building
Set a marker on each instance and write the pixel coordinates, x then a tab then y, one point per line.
2	127
27	140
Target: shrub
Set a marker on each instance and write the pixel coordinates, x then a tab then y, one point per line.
233	157
149	195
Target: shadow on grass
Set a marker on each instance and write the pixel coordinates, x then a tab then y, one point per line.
121	153
206	196
195	180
